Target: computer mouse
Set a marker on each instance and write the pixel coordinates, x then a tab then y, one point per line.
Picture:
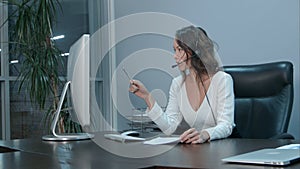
131	133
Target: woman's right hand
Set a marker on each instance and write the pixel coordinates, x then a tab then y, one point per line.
138	88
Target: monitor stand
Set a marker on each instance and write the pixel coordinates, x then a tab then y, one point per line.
65	136
68	137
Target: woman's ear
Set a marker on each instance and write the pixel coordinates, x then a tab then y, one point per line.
189	54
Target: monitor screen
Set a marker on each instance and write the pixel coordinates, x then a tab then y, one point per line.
78	74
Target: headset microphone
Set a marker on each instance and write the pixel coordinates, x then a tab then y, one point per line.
173	66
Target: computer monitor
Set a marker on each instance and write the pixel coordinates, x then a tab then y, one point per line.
79	75
78	79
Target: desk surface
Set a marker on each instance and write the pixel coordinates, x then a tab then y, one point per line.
35	153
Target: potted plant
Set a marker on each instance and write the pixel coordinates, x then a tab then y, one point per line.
31	22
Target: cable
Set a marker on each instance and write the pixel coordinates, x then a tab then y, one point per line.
205	92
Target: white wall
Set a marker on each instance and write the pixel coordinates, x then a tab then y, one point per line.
247	31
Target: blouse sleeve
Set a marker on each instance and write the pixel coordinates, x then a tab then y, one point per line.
224	109
167	121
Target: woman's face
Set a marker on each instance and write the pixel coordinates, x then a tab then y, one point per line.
180	57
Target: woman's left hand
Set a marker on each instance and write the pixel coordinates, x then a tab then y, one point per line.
194	137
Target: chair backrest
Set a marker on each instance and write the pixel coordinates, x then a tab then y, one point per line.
263	98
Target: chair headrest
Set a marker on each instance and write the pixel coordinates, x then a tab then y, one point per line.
261	80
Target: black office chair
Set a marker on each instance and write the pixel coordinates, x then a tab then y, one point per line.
263	99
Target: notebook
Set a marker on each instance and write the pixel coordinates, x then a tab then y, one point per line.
278	157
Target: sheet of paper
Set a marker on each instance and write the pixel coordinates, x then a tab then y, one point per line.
290	146
163	140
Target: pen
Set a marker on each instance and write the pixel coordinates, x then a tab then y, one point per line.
126	74
131	81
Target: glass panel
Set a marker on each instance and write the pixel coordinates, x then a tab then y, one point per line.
0	51
0	110
14	67
0	60
26	119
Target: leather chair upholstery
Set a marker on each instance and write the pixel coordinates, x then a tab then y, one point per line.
263	99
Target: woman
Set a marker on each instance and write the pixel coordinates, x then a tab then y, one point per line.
202	95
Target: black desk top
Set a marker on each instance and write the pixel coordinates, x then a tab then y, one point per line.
104	153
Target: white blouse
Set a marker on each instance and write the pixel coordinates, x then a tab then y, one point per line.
218	105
